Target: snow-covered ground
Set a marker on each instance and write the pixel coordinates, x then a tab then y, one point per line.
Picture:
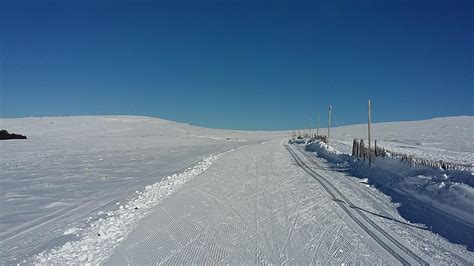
70	170
140	190
446	194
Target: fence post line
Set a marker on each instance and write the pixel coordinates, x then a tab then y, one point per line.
368	127
329	123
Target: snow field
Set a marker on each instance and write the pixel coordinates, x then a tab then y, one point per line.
97	241
101	190
72	170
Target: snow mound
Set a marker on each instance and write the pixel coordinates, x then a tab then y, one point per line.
323	150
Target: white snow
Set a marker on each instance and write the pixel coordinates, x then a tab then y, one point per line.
141	190
251	206
448	138
97	241
72	168
422	182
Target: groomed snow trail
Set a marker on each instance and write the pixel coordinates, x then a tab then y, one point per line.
252	206
256	205
393	246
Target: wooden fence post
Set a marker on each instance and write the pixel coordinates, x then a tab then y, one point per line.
353	147
368	127
376	153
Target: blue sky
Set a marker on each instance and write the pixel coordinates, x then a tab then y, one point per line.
238	64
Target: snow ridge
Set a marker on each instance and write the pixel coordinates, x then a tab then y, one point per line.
97	241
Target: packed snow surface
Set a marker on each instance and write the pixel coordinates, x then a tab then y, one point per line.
105	234
72	170
140	190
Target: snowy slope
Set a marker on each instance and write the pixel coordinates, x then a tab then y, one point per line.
70	169
102	188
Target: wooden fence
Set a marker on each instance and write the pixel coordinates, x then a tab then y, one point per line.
361	151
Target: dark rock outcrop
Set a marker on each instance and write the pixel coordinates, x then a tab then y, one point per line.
5	135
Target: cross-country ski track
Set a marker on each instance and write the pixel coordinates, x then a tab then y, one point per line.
271	203
384	239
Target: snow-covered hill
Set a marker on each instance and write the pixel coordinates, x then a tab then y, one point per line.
71	168
72	171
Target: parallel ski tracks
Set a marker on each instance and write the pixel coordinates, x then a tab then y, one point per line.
377	233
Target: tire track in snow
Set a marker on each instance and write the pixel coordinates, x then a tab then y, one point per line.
326	184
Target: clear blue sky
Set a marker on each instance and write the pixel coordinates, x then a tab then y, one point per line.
238	64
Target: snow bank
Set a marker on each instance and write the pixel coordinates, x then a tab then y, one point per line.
321	149
450	191
97	241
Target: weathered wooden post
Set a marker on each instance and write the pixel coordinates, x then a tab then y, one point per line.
368	125
354	150
376	152
329	124
359	155
353	147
